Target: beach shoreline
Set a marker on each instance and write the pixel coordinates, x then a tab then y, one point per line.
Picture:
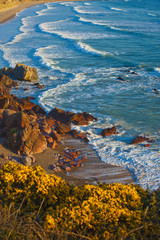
10	13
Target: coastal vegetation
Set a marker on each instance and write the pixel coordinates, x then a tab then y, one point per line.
36	205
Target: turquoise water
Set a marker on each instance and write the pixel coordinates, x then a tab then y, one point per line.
102	57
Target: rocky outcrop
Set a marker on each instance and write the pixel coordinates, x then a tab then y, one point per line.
63	128
21	72
139	139
82	135
29	140
26	126
6	81
108	131
70	117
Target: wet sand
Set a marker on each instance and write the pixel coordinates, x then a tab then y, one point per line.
94	171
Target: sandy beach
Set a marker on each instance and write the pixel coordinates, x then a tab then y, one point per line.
9	13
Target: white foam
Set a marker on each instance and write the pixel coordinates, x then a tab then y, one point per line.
85	10
87	48
49	98
57	28
46	57
96	22
118	9
157	69
151	14
143	163
88	4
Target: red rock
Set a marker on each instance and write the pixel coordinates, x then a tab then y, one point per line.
108	131
52	145
81	118
46	129
6	80
139	139
26	104
63	128
49	139
147	145
56	136
50	121
38	110
66	117
4	102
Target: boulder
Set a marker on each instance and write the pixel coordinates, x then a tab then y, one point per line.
4	102
19	120
69	117
63	128
46	129
21	72
81	118
25	73
60	115
139	139
38	110
108	131
26	141
27	160
56	136
52	145
6	80
26	103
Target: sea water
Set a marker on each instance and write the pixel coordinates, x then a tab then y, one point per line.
102	57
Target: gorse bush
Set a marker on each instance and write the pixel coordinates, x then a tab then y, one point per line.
33	184
61	211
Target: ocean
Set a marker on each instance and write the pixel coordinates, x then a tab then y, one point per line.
101	57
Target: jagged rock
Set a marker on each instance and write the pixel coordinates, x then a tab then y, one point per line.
147	145
59	115
26	103
7	113
63	128
5	80
26	141
52	145
4	102
38	85
69	117
49	139
139	139
19	120
81	118
38	110
108	131
56	136
21	72
46	129
82	135
50	121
